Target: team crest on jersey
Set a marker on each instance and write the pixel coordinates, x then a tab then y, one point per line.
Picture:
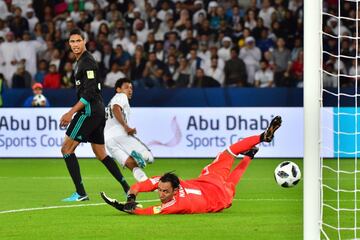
77	82
157	209
90	74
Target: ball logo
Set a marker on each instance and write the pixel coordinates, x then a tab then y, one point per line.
175	140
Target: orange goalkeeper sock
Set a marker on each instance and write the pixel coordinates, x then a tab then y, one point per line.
244	145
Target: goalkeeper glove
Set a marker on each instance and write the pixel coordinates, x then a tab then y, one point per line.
131	198
128	207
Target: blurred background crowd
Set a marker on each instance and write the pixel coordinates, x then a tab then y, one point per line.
159	43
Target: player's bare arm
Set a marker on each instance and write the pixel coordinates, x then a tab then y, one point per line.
118	115
66	118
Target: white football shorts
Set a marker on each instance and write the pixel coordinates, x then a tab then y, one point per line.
121	147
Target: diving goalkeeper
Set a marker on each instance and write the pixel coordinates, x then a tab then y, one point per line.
212	191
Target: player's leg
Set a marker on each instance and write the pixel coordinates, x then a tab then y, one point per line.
138	155
239	170
222	164
237	148
96	137
248	143
138	172
116	150
110	164
139	151
68	151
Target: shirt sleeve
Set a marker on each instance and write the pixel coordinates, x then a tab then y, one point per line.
121	100
148	185
91	84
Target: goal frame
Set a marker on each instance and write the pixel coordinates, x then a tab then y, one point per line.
312	105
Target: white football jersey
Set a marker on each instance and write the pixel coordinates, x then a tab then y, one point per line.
113	128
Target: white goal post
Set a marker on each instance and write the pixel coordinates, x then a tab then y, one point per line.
312	103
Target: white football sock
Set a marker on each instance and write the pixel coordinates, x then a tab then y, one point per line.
139	174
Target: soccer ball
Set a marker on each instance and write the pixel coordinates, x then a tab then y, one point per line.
287	174
39	100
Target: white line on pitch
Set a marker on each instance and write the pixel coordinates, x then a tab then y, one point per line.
140	201
63	206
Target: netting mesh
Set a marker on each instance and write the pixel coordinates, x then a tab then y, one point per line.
339	85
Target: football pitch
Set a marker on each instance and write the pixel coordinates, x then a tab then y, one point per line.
31	208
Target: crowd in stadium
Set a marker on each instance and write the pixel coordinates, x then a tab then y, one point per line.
155	43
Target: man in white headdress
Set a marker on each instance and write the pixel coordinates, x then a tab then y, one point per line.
27	50
10	58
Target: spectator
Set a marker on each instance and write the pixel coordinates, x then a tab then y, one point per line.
21	78
10	58
31	18
18	24
241	41
98	20
27	52
113	14
131	46
3	28
4	12
122	58
188	43
149	45
282	62
67	80
121	39
53	78
31	101
264	77
154	69
215	71
265	43
182	73
199	12
203	81
114	75
172	64
235	70
141	30
297	70
204	52
2	86
250	19
251	55
195	62
56	58
265	13
137	66
224	51
42	71
296	49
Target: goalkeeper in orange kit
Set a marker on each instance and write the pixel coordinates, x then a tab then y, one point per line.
212	191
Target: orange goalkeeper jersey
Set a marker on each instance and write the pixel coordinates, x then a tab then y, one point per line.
202	195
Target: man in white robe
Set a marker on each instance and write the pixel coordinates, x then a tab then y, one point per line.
10	57
27	50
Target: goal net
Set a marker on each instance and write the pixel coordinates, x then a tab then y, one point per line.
340	142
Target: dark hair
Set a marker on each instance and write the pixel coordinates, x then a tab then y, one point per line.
172	178
121	81
77	31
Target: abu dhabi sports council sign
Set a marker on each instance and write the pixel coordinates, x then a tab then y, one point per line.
169	132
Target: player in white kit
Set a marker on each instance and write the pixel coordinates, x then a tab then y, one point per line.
120	139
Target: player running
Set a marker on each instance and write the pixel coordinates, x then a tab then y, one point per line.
120	139
89	120
212	191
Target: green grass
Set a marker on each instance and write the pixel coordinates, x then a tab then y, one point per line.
347	199
261	209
